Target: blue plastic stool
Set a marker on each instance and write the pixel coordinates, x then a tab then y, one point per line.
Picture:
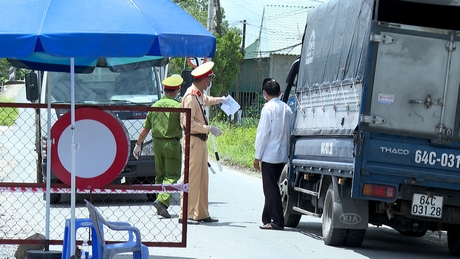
79	223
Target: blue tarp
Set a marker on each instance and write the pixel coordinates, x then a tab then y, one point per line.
335	44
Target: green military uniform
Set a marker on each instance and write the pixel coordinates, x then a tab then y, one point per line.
166	133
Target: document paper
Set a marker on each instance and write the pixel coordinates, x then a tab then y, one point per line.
230	107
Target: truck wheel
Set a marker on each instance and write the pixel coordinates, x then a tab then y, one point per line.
420	233
453	240
355	237
40	177
331	236
337	236
291	218
55	198
144	180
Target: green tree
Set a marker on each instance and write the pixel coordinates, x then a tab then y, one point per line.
196	8
227	58
4	70
227	61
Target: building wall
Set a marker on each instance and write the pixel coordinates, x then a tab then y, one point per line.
279	68
247	90
253	72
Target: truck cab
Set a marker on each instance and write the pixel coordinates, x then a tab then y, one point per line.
103	86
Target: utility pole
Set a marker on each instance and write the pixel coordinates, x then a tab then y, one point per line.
210	13
218	19
244	36
243	52
209	27
259	54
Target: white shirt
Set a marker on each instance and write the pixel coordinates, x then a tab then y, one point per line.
273	132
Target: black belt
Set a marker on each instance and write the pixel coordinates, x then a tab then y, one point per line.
168	138
201	136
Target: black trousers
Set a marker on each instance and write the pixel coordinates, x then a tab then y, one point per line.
273	209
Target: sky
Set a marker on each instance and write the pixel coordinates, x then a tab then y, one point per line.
236	11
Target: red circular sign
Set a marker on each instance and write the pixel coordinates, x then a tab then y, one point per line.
192	61
102	148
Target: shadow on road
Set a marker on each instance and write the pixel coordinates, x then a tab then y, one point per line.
383	242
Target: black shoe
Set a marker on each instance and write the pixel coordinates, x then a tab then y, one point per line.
208	220
190	221
161	209
271	226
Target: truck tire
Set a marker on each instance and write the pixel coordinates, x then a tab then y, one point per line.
144	180
337	236
420	233
55	198
291	218
40	177
453	240
355	237
331	236
38	163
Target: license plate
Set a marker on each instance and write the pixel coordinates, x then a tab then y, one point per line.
427	206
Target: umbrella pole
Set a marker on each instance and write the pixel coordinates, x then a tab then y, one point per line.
72	152
48	168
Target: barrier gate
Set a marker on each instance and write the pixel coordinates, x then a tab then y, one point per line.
127	199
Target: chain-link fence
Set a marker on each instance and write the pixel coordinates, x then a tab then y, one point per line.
24	159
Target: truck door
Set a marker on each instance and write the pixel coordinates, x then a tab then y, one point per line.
414	82
291	85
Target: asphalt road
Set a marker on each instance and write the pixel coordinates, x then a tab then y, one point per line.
236	199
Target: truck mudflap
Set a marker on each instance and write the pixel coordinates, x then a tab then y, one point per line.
348	213
396	161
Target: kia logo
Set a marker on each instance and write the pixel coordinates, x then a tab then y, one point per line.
350	218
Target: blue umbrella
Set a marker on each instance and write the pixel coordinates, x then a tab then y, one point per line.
41	61
78	32
101	28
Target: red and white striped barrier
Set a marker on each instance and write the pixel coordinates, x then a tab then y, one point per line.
163	188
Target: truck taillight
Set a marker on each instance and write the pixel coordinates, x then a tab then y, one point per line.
380	191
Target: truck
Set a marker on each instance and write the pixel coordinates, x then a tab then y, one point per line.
128	83
376	129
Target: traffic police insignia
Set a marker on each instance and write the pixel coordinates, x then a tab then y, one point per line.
194	92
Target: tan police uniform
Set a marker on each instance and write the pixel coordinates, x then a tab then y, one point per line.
198	167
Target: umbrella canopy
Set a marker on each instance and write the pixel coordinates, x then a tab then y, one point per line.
42	61
101	28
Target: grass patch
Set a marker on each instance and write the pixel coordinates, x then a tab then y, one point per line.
236	144
8	115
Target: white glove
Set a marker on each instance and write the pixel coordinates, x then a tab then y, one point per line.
225	99
137	151
215	131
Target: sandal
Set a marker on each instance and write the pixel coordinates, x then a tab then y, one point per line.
271	226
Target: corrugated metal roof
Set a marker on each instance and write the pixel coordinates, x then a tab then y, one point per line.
251	50
282	29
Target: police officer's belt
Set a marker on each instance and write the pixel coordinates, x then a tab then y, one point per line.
168	138
201	136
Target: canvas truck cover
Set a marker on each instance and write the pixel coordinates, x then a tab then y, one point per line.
335	43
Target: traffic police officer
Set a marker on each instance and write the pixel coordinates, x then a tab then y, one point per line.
166	132
195	99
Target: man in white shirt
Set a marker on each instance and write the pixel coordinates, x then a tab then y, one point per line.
272	147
